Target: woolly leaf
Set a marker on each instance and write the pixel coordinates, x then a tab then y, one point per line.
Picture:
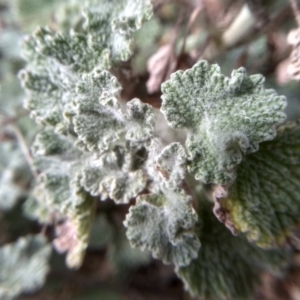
114	175
56	61
264	200
227	267
171	164
99	120
113	25
58	162
58	190
45	99
226	117
139	122
163	224
24	266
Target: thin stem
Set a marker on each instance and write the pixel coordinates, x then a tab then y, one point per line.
24	148
296	10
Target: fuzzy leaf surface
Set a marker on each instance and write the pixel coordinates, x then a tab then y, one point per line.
99	120
58	162
264	201
59	190
114	175
24	266
163	224
57	61
226	117
171	164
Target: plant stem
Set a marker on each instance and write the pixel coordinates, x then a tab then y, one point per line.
24	148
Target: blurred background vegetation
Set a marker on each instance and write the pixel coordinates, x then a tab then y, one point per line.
259	35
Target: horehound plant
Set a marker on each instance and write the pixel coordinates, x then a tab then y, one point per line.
228	157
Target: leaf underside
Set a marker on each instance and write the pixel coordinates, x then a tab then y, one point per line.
264	201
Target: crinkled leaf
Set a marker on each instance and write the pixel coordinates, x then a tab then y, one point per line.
226	117
24	266
58	162
114	175
111	27
264	201
58	190
139	122
227	267
171	164
164	225
99	120
56	61
46	99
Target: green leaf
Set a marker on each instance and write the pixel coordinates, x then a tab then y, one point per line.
57	61
226	117
264	200
98	118
99	121
114	175
163	224
46	98
139	122
112	27
171	164
58	162
24	266
227	267
59	190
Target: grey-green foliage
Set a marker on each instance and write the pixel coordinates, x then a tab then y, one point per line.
24	266
163	224
94	146
264	201
57	61
59	192
114	175
226	117
58	162
96	106
227	267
